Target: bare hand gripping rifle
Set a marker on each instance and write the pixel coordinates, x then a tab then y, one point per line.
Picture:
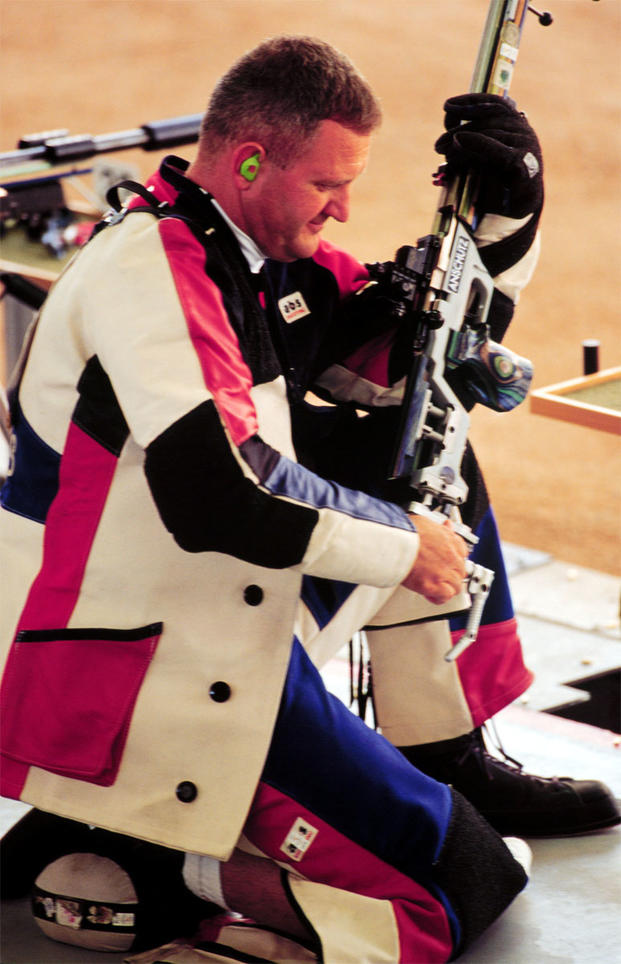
442	291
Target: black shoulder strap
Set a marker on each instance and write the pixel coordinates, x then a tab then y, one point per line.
161	209
113	197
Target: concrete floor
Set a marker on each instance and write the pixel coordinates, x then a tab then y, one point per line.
570	913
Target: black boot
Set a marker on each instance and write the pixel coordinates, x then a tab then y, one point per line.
515	802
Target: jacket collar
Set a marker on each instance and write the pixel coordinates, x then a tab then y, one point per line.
172	175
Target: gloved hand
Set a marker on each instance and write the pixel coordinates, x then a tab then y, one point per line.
487	135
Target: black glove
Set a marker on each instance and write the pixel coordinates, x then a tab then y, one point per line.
487	135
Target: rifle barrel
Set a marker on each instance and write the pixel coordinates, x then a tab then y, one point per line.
493	72
155	135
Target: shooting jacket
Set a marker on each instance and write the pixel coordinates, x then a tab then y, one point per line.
157	523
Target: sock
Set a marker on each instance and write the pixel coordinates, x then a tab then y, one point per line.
201	875
521	851
427	751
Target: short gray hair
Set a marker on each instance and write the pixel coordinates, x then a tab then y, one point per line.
278	93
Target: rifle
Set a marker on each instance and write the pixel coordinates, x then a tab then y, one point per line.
50	148
39	203
442	291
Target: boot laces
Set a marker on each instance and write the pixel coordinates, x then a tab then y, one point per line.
490	763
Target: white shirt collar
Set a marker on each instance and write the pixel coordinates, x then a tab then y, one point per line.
252	253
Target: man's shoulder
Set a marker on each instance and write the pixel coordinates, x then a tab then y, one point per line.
349	273
329	265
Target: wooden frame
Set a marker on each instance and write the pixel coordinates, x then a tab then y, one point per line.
562	401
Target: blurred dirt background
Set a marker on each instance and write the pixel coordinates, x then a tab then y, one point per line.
96	66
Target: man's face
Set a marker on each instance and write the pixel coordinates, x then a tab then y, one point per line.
286	209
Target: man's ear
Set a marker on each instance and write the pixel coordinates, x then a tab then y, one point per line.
247	160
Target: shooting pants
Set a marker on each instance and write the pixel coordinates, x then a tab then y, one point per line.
384	863
419	697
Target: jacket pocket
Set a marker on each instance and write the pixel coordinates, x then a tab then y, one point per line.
68	696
